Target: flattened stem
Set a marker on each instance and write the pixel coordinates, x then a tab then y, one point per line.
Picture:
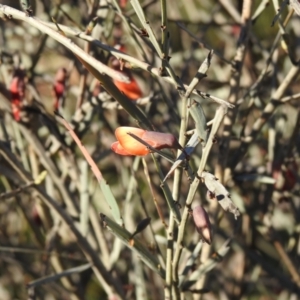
200	121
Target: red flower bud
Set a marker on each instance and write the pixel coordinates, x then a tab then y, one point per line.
202	223
17	91
285	176
36	216
123	3
59	86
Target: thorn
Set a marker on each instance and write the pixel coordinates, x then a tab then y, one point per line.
211	195
144	32
178	204
58	114
29	12
199	177
102	216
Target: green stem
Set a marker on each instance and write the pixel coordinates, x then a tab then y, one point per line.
220	113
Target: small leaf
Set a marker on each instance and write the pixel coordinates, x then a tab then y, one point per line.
188	150
200	121
282	6
26	7
25	4
91	25
111	201
190	262
208	265
40	178
219	192
55	277
295	4
134	244
108	195
256	177
141	226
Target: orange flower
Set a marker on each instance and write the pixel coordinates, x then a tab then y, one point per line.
131	89
128	145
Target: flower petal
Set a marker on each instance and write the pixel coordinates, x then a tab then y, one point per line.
131	89
130	144
117	148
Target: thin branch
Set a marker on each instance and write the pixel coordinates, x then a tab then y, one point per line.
18	15
100	271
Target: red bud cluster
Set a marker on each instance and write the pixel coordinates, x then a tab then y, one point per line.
285	176
17	91
59	87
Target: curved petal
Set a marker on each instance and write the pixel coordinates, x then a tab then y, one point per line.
131	89
130	144
117	148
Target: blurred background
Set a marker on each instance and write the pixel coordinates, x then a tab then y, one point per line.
255	66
